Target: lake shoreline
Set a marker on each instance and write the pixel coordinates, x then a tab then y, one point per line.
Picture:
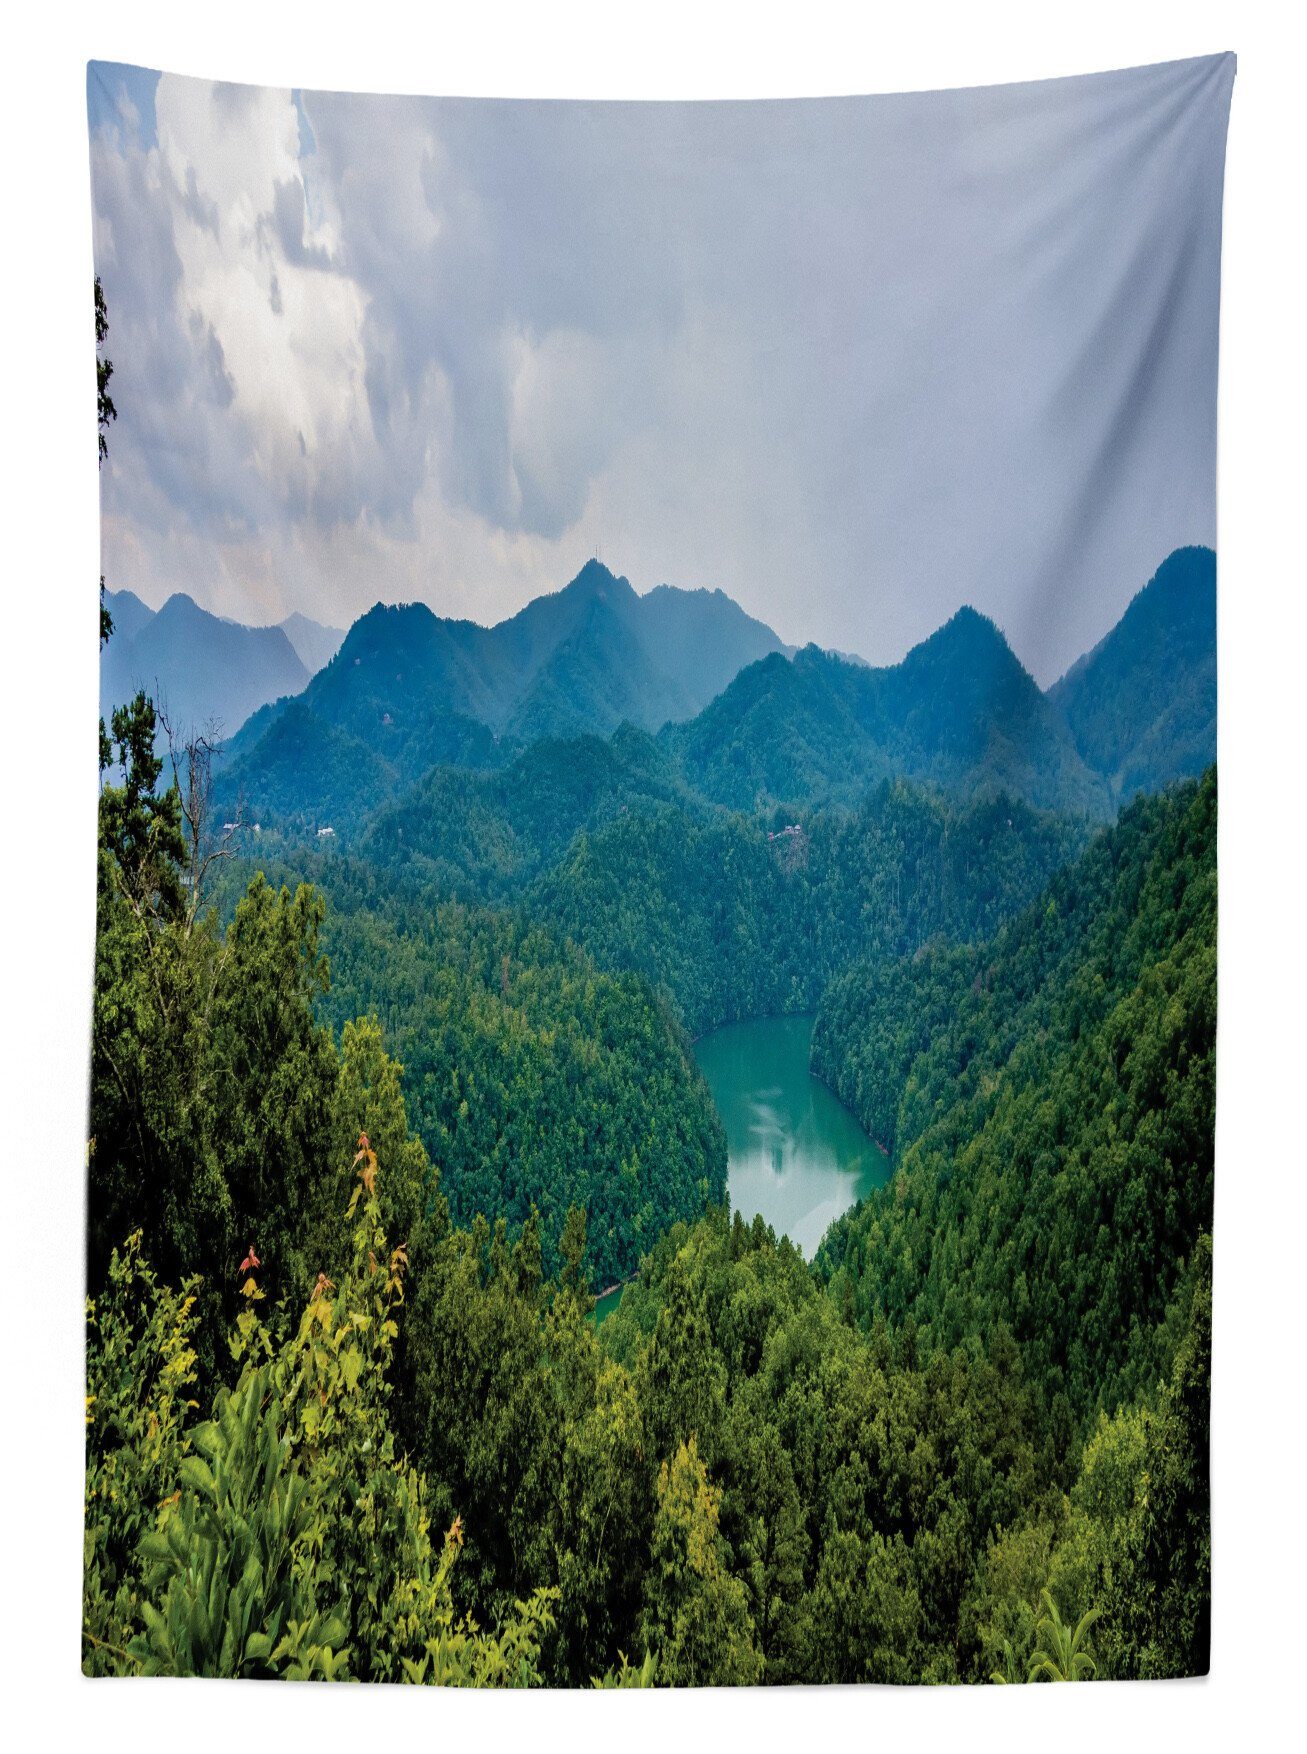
796	1154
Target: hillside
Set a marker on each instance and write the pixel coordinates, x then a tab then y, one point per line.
485	836
730	920
291	769
1142	705
306	775
1042	1181
959	712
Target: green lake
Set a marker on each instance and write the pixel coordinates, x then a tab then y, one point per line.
794	1152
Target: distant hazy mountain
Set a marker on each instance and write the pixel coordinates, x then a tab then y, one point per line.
315	645
959	711
204	671
1142	704
128	612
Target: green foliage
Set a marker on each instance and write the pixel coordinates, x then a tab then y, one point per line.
1137	1539
1063	1652
1050	1649
216	1094
627	1674
484	836
854	1487
141	846
959	712
534	1437
696	1614
222	1595
296	1540
535	1080
541	1076
140	1377
732	924
211	1087
532	1078
1049	1099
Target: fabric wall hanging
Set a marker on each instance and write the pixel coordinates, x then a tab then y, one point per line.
653	1067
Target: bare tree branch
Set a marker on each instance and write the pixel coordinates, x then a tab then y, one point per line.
191	759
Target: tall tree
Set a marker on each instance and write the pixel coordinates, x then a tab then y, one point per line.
696	1614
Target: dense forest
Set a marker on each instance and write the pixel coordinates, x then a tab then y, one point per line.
1050	1098
374	1116
544	1041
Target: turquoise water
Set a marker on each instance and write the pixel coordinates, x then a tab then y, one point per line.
794	1152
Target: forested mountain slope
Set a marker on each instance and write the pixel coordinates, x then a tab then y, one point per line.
959	712
535	1080
733	918
485	836
494	1018
1048	1097
416	691
1142	704
303	773
584	659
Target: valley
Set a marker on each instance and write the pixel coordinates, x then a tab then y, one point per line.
616	998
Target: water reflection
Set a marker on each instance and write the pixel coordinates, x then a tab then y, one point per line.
795	1152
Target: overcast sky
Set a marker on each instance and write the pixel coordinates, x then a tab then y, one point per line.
855	361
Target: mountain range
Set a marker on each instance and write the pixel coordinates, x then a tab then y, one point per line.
409	690
959	712
584	659
1136	713
737	718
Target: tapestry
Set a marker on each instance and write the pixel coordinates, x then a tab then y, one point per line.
653	1053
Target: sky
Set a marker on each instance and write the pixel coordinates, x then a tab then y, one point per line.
855	361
